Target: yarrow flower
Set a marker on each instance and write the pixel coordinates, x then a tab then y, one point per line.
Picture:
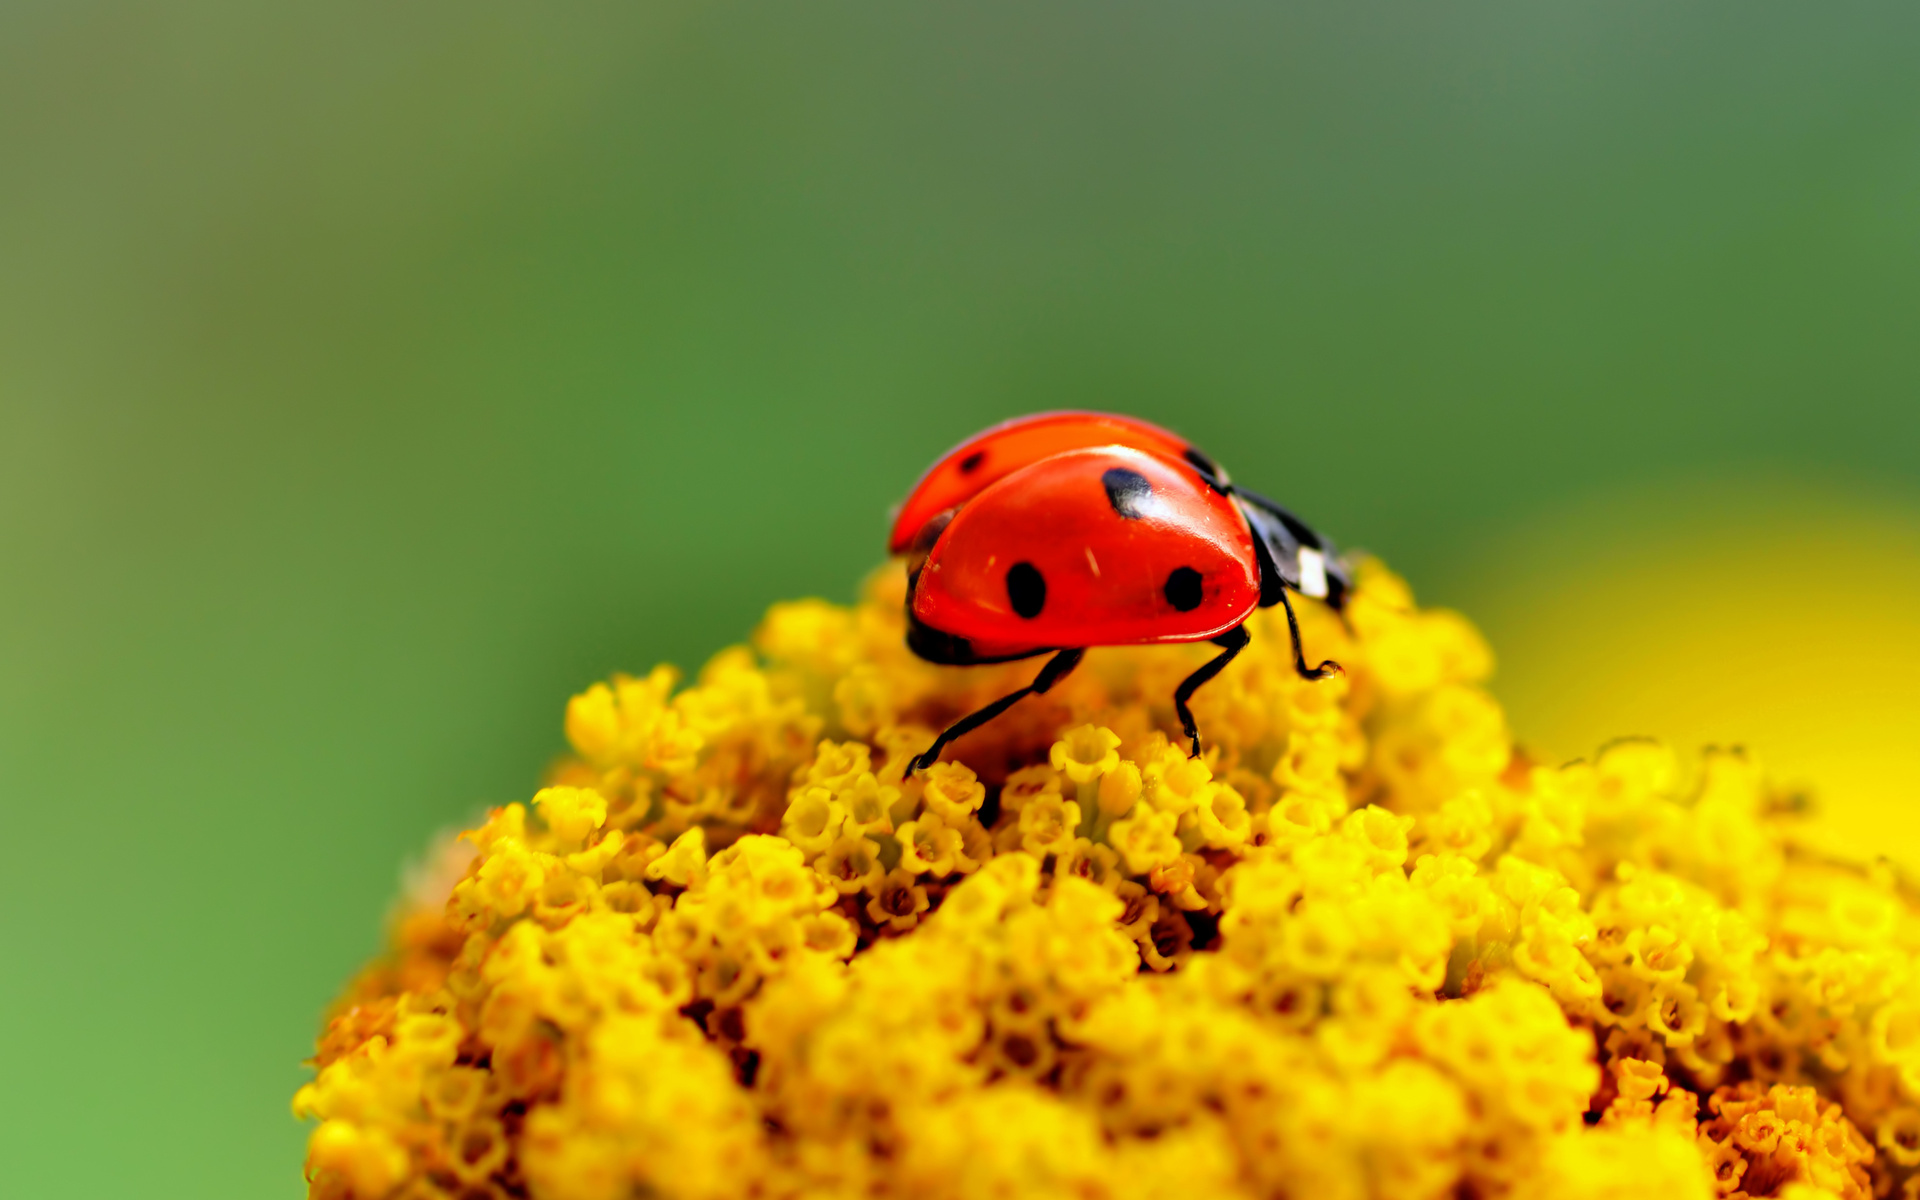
1365	946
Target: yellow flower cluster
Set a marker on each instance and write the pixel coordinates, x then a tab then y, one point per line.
1363	947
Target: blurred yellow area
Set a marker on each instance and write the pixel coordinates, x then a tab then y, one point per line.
1779	618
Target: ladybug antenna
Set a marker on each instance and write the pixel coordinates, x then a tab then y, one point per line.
1234	640
1326	668
1057	668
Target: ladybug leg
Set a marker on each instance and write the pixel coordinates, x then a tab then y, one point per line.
1326	668
1056	669
1234	641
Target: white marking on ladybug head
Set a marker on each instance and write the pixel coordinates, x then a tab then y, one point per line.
1313	573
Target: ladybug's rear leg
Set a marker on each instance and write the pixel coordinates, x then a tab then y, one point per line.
1234	640
1056	669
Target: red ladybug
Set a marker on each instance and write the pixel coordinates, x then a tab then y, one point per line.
1060	531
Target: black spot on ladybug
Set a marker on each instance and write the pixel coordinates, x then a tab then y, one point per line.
1128	491
1183	589
1027	589
971	462
1209	470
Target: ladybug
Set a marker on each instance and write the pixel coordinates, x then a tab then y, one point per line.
1052	533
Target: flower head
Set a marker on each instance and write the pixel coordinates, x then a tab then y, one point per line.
1362	948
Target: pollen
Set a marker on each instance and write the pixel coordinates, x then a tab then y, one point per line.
1368	946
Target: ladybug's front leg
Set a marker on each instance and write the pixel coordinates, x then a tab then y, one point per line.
1326	668
1234	640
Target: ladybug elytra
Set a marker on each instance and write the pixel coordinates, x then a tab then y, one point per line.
1053	533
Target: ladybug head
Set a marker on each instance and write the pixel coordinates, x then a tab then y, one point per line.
1292	554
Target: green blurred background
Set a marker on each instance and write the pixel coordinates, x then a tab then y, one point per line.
372	376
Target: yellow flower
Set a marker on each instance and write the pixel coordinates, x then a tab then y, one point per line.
1028	784
1146	839
1177	784
1787	1135
347	1159
928	846
571	813
1899	1137
1675	1013
1364	948
1624	998
1120	787
852	864
1085	753
868	805
952	792
1380	835
1092	861
898	901
864	698
1223	822
813	819
837	764
508	879
1047	824
609	723
685	862
1625	1163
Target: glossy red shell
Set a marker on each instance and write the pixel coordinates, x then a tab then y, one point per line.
985	459
1106	565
